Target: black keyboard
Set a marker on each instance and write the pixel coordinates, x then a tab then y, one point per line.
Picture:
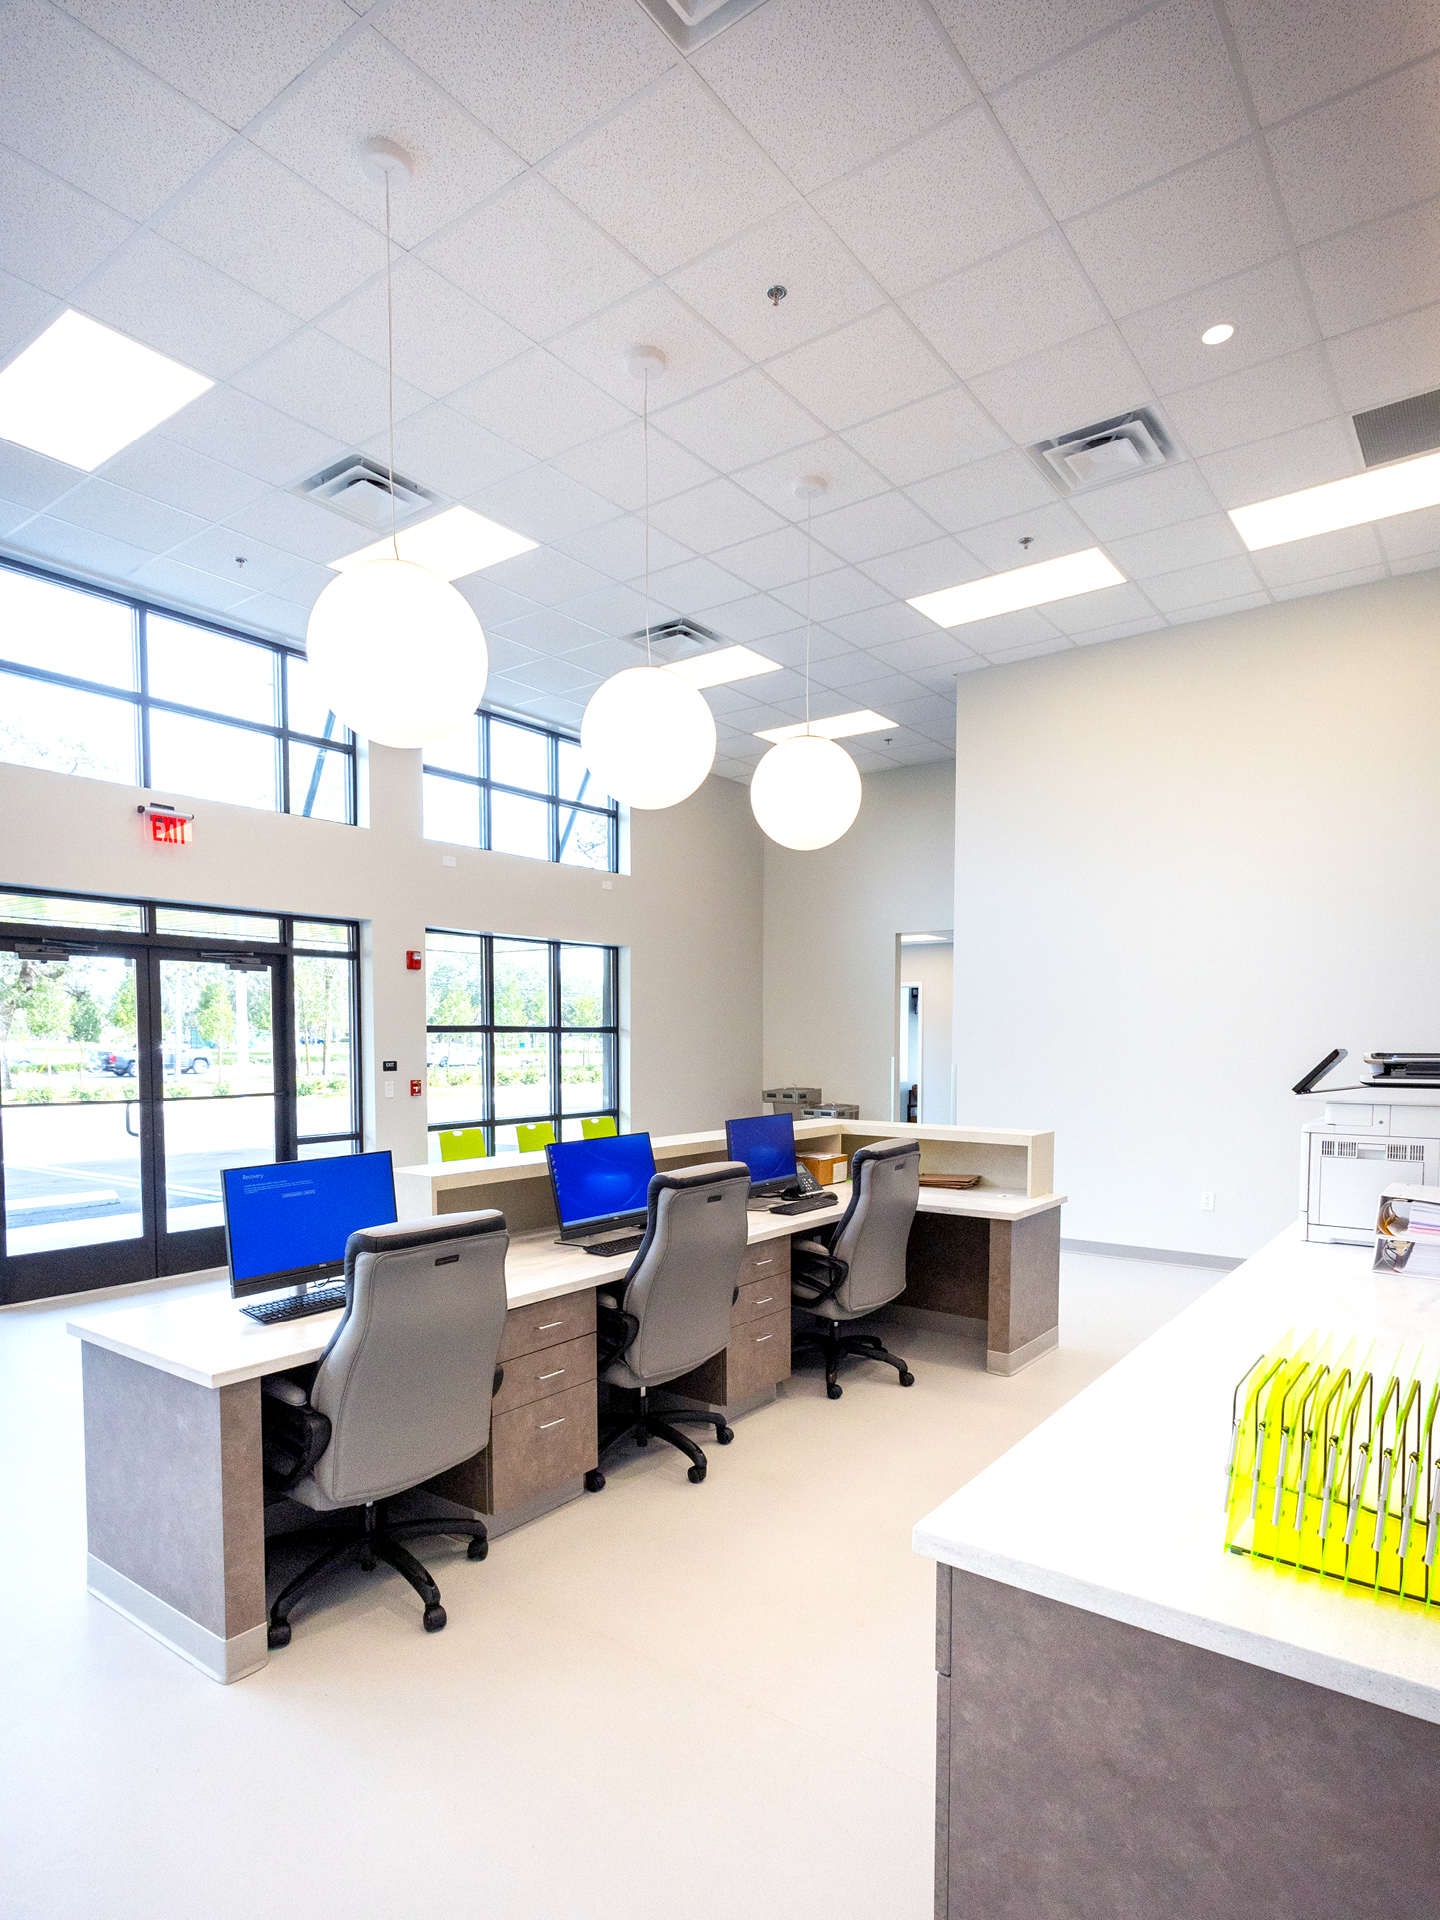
603	1249
808	1204
319	1300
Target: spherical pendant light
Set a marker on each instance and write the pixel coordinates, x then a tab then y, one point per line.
397	652
648	737
805	792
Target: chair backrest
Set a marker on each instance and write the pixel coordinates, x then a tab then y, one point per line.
536	1138
406	1380
600	1129
682	1281
463	1143
871	1234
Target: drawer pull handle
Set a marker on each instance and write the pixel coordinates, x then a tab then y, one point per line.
545	1425
766	1263
766	1301
553	1376
763	1338
551	1324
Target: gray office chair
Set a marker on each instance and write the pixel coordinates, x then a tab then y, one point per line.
859	1264
402	1392
674	1312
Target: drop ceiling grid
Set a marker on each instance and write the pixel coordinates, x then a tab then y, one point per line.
877	374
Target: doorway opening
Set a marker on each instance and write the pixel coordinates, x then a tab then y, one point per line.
924	1088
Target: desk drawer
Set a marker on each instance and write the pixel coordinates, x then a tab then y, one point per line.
758	1356
536	1448
536	1376
766	1260
547	1323
759	1298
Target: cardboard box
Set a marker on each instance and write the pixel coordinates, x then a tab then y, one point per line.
828	1168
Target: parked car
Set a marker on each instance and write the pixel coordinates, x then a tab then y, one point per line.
456	1053
121	1061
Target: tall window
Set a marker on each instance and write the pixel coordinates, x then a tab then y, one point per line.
520	1032
97	684
518	789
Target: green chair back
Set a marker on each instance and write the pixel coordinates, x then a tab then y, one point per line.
535	1139
599	1129
463	1143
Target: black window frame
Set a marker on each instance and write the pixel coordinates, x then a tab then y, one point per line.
143	703
551	796
487	1029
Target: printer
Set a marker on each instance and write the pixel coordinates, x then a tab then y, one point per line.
1369	1136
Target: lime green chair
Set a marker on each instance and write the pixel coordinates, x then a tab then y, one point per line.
598	1129
535	1139
463	1143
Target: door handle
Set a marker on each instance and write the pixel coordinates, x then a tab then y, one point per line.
130	1106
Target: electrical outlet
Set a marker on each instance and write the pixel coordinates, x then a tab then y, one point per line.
1207	1203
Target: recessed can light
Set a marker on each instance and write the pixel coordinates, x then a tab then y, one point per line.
1216	336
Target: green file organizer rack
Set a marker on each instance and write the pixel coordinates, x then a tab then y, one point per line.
1332	1465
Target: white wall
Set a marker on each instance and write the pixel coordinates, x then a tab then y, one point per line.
831	921
688	912
1188	865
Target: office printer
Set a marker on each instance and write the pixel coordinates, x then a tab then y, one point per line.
1385	1129
1421	1069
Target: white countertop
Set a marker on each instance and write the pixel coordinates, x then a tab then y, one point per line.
987	1203
1087	1510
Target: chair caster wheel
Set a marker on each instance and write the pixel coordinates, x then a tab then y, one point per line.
725	1436
368	1563
907	1379
278	1634
434	1619
696	1475
594	1480
833	1389
477	1550
642	1439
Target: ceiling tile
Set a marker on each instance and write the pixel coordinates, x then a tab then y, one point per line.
772	560
843	590
1416	563
1364	155
795	249
872	366
986	490
792	648
24	310
183	307
843	669
537	75
940	563
713	182
1331	583
1374	272
232	61
617	547
1052	531
240	432
926	650
443	338
255	221
11	517
1320	557
367	88
696	356
1029	298
695	583
124	515
1306	457
1167	549
610	610
942	431
847	478
54	236
1089	378
444	451
877	692
882	625
545	576
756	618
745	420
98	554
1122	630
942	201
1407	534
1102	611
1009	656
550	633
1157	499
1213	580
1000	43
546	505
607	657
615	466
1293	391
284	520
493	605
1267	308
217	549
887	524
175	584
77	107
1375	365
932	714
1217	609
314	379
1201	224
551	676
1296	57
824	85
32	480
719	514
539	404
1151	96
181	477
268	613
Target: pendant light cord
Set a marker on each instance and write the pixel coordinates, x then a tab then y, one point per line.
390	366
645	432
809	551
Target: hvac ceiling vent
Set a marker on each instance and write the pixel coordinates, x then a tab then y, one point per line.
1115	449
360	489
1403	428
690	23
678	640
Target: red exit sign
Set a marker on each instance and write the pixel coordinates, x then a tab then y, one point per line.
169	827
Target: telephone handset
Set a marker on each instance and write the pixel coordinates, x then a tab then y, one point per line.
806	1180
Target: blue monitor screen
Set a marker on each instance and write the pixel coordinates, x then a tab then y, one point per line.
766	1144
603	1179
284	1222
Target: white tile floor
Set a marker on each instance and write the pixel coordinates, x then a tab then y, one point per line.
664	1700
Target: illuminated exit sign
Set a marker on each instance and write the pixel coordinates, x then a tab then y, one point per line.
169	827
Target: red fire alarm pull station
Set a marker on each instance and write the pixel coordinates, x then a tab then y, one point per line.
414	960
416	1087
168	826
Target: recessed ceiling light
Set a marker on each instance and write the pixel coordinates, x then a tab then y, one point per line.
81	392
1216	336
719	668
1340	503
1021	587
450	544
838	727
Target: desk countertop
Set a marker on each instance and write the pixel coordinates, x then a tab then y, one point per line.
1087	1511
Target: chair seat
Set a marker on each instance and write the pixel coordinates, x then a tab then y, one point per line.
620	1374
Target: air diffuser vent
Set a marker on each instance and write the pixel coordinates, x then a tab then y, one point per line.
690	23
1403	428
678	640
1109	450
360	489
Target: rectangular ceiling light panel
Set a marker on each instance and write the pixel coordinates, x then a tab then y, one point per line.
718	669
838	727
451	544
1032	586
1340	503
81	392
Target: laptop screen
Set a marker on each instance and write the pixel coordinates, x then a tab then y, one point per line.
600	1181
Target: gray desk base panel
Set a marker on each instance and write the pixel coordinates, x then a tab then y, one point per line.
223	1660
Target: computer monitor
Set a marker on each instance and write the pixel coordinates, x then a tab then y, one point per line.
600	1183
286	1224
767	1146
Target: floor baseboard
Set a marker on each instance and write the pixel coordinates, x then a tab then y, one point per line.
1221	1262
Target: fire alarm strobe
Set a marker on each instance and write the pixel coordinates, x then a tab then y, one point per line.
416	1089
414	960
168	826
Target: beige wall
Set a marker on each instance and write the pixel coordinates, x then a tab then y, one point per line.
1188	865
688	912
